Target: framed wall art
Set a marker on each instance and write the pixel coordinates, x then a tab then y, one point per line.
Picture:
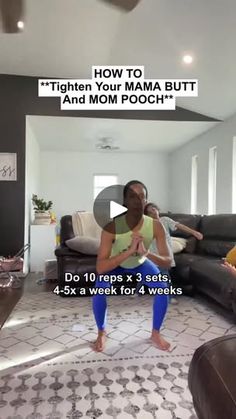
8	166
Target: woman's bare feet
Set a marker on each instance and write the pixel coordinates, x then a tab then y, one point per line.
159	341
99	344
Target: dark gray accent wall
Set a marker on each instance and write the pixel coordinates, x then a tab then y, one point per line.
18	98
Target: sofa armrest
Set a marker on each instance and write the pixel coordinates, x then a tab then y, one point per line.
211	378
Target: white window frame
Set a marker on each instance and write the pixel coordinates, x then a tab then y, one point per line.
212	173
97	190
194	184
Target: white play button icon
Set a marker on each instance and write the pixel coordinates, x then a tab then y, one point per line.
116	209
109	204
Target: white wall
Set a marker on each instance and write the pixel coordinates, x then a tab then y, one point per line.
67	177
32	181
220	136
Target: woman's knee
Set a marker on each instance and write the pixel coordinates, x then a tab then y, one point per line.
151	267
157	283
148	270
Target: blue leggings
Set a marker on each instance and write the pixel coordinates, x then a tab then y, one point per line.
160	302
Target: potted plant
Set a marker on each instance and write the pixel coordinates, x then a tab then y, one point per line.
41	208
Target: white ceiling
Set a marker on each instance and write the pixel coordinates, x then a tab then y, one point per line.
82	134
64	38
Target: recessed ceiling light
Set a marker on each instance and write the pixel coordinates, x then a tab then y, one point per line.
20	24
187	59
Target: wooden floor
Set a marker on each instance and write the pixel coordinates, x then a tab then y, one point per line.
9	297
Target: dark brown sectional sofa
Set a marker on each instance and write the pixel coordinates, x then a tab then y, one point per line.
198	267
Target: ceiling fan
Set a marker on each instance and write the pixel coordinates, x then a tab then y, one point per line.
107	144
12	12
126	5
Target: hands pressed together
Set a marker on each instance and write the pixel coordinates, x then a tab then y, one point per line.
137	245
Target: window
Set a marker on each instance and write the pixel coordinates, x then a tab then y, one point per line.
234	177
212	180
194	184
101	182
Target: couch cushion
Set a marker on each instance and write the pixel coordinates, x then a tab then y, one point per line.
190	245
220	226
219	234
234	299
185	259
218	248
182	270
211	278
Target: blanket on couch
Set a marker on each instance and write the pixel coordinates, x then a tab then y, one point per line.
84	224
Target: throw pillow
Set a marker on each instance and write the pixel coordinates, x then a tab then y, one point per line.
86	245
178	244
231	256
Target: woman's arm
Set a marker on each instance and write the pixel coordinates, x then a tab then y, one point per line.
189	230
105	263
163	259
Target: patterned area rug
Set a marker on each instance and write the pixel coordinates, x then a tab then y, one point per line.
48	369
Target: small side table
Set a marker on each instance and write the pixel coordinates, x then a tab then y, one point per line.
42	245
